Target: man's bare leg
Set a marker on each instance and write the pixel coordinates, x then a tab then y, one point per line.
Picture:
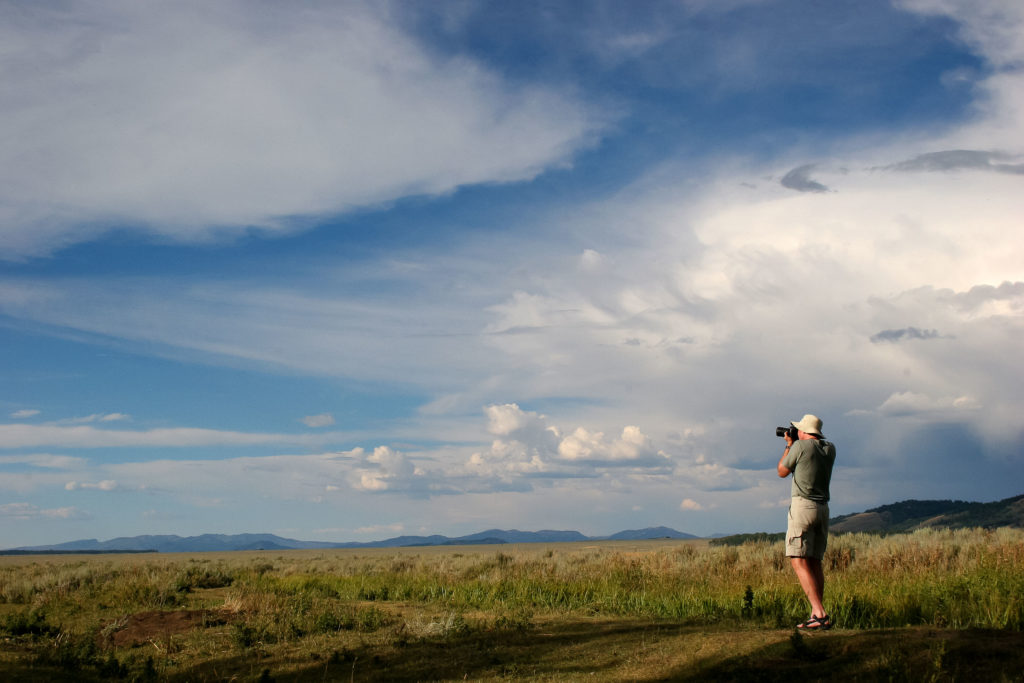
812	580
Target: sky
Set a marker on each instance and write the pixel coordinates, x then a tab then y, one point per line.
345	271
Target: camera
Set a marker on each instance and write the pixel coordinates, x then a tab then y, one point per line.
782	431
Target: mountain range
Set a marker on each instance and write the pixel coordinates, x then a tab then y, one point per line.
906	515
229	542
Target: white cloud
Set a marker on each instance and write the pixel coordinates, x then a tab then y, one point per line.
591	260
911	404
388	469
718	477
690	504
24	512
378	528
44	460
96	417
991	27
633	445
105	485
29	436
25	413
394	336
217	482
528	445
528	450
321	420
195	121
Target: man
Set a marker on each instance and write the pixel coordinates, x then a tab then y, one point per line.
809	459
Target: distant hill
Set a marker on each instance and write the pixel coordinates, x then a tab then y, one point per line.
652	532
895	517
909	515
188	544
919	514
231	542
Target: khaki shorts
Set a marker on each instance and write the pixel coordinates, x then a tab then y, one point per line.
807	533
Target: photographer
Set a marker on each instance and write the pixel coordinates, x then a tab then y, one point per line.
809	458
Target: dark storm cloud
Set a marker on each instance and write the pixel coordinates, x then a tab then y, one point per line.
799	179
904	334
959	159
945	447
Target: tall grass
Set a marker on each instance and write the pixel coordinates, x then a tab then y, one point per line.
957	579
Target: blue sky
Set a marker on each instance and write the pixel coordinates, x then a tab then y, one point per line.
344	271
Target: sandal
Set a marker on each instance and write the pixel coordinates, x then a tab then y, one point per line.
816	624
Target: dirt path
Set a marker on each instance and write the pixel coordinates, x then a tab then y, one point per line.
156	626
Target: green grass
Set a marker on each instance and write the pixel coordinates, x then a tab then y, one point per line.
491	611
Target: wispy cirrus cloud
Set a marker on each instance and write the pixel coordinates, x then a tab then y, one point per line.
33	436
105	485
27	511
44	460
961	159
321	420
96	417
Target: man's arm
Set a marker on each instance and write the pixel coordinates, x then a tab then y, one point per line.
783	470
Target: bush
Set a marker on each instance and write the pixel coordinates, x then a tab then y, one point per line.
28	622
194	577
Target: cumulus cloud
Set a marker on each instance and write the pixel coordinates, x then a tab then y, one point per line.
389	470
321	420
690	504
988	300
195	122
632	447
528	445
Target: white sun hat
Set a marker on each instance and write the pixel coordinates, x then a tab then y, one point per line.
811	424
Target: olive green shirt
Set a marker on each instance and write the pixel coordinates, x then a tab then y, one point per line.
811	461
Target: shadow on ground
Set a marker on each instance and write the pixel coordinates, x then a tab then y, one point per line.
606	650
910	654
658	651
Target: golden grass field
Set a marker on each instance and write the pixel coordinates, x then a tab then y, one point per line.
928	606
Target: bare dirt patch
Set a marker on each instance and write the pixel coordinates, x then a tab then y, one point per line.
156	626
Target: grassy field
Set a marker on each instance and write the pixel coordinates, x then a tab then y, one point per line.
929	606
